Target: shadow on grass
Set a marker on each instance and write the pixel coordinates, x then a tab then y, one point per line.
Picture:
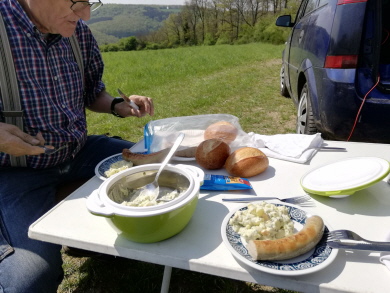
110	274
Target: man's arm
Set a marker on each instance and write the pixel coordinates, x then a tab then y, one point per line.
102	104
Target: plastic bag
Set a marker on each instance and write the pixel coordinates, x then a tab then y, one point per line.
160	134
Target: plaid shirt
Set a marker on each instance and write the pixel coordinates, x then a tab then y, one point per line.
50	84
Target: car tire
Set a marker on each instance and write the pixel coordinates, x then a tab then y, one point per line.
283	88
305	119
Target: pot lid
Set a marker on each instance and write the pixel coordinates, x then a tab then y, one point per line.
345	177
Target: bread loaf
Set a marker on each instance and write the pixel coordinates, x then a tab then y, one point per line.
291	246
246	162
222	130
212	154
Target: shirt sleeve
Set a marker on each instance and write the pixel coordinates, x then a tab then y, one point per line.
93	63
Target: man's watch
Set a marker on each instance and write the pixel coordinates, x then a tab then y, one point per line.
113	103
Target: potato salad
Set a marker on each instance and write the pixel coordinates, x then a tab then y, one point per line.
117	167
262	221
143	198
140	197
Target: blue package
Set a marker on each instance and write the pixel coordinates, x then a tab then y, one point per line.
221	182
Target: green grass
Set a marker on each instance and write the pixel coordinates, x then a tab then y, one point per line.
239	80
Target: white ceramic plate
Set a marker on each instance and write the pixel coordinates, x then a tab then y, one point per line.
345	177
105	164
316	259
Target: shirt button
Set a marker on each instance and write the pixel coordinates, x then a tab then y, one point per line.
55	77
28	35
63	106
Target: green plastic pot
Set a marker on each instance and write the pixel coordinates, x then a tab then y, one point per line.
153	223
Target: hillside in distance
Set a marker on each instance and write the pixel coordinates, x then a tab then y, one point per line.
112	22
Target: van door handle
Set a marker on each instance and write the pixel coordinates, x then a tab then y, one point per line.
301	36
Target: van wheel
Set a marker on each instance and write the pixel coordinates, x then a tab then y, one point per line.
283	88
305	119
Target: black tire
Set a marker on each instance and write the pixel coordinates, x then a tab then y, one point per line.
283	88
305	119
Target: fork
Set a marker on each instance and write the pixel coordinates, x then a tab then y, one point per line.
349	235
293	200
52	150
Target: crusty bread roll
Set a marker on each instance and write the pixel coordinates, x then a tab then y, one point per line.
246	162
222	130
291	246
212	153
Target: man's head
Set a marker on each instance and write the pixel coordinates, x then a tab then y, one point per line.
58	16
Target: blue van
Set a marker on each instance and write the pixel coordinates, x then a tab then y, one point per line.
336	68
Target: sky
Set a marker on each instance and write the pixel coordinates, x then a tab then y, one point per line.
146	2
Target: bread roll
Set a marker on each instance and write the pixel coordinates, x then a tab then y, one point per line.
212	154
222	130
291	246
246	162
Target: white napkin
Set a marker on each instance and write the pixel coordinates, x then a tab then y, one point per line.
385	256
298	148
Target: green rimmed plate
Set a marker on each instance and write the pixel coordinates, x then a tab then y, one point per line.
345	177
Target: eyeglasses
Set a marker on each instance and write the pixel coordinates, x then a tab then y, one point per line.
80	5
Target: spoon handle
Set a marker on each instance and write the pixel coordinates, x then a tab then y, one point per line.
178	141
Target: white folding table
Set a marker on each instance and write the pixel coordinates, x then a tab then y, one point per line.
199	247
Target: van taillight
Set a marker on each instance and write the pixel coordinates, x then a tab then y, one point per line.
342	2
342	61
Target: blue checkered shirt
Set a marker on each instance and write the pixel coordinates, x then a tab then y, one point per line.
50	84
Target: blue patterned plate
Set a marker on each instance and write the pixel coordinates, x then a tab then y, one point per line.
105	164
316	259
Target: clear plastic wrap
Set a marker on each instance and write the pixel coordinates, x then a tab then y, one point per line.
161	134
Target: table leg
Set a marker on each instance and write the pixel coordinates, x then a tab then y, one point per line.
166	279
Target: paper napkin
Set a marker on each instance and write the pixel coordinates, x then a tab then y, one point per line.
298	148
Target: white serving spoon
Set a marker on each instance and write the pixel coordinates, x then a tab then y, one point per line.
153	188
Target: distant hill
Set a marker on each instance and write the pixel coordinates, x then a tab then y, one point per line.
112	22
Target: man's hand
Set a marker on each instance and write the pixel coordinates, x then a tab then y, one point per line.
145	105
103	101
14	141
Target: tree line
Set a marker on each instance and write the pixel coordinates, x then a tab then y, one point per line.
214	22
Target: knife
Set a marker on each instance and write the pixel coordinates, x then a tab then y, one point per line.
359	246
132	104
247	199
332	148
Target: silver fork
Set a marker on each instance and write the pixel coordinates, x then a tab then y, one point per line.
349	235
293	200
52	150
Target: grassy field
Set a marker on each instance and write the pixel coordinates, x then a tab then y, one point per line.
238	80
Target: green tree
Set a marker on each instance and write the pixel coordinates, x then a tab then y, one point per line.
129	44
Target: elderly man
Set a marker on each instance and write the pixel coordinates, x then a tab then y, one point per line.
53	94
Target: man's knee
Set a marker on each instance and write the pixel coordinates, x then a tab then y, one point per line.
27	271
